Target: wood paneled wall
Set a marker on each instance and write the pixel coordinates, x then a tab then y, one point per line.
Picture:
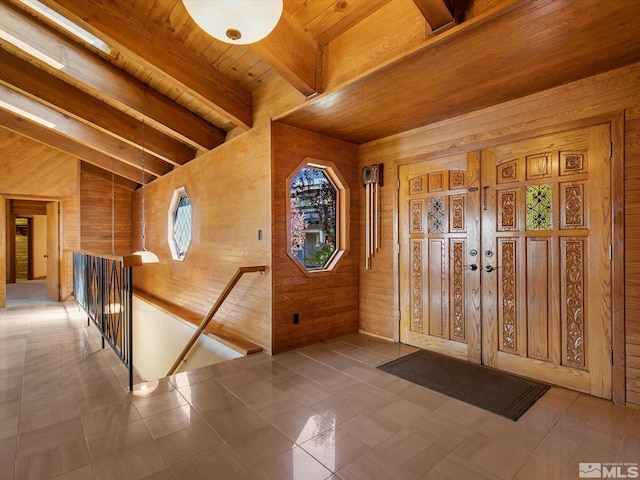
632	252
96	192
229	189
327	304
595	99
35	171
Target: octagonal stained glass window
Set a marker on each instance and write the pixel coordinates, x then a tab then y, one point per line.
180	224
316	227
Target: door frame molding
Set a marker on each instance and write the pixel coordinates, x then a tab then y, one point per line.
470	143
4	201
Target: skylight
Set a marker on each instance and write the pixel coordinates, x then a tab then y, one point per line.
67	24
25	114
25	47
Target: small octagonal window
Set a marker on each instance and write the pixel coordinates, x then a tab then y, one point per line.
317	225
180	224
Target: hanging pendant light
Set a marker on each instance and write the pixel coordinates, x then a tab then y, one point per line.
147	256
238	22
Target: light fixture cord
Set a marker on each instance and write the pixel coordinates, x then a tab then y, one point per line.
144	222
113	206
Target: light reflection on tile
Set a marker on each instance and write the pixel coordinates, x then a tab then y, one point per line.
321	412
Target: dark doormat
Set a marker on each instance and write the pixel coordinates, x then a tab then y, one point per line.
489	389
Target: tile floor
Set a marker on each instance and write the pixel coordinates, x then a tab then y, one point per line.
321	412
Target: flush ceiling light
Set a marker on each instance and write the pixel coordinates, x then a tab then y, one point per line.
238	22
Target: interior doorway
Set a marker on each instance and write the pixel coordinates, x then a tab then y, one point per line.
505	257
32	252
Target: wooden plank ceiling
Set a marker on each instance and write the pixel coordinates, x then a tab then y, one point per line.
370	68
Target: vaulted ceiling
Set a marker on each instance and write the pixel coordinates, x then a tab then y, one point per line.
369	69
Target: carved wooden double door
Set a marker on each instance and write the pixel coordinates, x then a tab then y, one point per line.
505	257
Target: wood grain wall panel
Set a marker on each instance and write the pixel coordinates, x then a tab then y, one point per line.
229	189
632	252
96	213
592	100
327	303
31	170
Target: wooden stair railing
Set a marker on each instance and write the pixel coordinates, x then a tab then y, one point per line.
207	319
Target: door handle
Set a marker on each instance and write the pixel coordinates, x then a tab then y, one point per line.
489	269
46	256
473	267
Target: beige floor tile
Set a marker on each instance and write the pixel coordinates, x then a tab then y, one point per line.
188	442
454	467
364	373
462	413
82	473
158	403
134	464
57	459
256	392
33	418
118	439
423	397
335	448
9	419
307	392
192	377
220	459
293	464
372	467
238	378
498	456
401	412
7	470
539	469
276	406
301	414
8	449
370	395
567	454
519	434
260	445
48	437
112	417
371	428
629	450
219	404
200	390
172	421
302	424
412	453
367	357
237	422
339	408
443	431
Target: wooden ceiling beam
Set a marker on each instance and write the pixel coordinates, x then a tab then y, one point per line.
49	137
86	135
292	54
108	83
142	39
23	76
436	12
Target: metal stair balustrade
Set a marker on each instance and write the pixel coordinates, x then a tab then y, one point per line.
103	287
